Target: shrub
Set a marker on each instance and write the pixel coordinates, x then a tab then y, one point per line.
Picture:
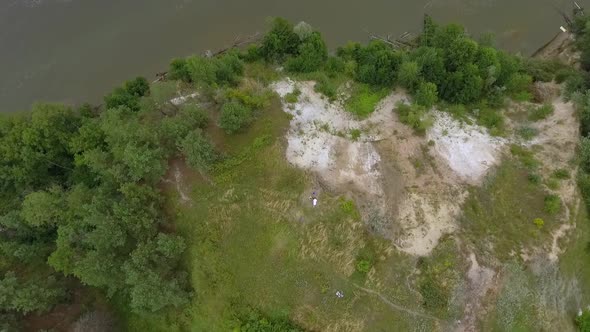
363	100
223	70
539	223
234	116
348	207
202	70
527	133
408	75
552	204
575	82
526	157
564	74
198	150
519	83
293	97
363	266
524	96
552	184
561	174
252	53
414	116
254	321
541	112
491	119
355	134
326	87
253	97
335	66
534	178
427	94
541	70
179	70
434	296
228	69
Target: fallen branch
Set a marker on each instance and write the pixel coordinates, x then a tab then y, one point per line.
238	42
395	43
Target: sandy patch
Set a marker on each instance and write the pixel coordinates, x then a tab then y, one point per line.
182	99
557	140
468	149
481	279
406	190
317	141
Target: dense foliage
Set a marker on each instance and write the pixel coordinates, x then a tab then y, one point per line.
79	196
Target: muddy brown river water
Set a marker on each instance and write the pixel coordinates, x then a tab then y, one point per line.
77	50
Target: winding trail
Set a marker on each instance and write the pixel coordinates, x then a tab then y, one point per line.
399	307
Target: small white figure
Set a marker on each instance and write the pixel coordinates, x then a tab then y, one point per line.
314	199
339	294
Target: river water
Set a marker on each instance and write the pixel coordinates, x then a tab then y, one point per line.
77	50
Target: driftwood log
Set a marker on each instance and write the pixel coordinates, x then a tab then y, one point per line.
403	41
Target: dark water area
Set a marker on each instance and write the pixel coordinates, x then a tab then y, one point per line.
77	50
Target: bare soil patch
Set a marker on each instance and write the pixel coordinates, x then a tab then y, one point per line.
409	188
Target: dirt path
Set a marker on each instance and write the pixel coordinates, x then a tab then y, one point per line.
480	280
398	307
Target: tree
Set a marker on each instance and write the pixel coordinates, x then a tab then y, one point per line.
138	210
28	296
313	53
427	94
34	150
431	63
128	95
429	31
409	75
509	65
198	150
489	65
202	70
137	87
234	116
459	53
190	117
179	70
463	86
280	41
152	276
228	69
377	64
447	35
41	208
